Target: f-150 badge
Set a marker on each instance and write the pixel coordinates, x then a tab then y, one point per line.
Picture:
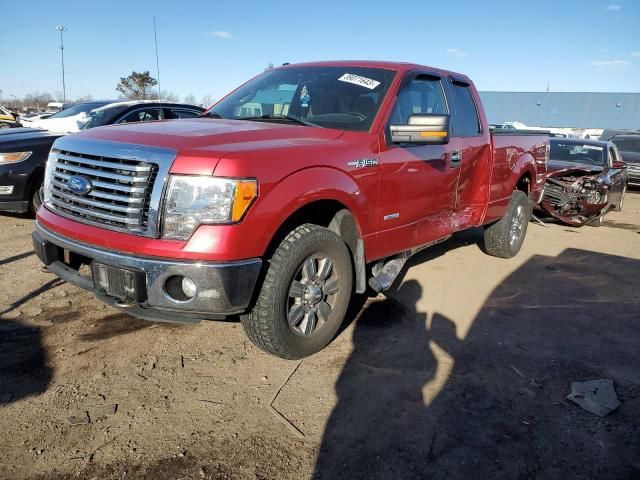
364	162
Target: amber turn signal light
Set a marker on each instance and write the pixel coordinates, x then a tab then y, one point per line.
246	193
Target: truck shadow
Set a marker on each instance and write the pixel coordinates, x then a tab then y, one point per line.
24	365
33	294
121	324
417	400
15	258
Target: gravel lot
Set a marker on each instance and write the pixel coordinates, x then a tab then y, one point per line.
461	373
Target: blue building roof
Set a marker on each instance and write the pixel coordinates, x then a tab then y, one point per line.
564	109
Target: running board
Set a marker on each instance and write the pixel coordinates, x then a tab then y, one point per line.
384	274
386	271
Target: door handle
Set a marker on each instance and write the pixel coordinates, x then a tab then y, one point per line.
455	158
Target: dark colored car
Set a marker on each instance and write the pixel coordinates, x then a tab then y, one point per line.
24	151
629	147
585	179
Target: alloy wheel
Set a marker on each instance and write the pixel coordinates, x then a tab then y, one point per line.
312	294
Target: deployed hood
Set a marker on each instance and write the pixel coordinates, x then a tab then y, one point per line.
211	137
557	167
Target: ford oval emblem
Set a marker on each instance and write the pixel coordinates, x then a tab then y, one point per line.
79	185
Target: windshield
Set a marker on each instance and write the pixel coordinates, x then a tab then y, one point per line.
576	153
628	143
101	116
346	98
76	109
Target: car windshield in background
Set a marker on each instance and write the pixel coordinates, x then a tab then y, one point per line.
577	153
101	116
77	109
627	143
346	98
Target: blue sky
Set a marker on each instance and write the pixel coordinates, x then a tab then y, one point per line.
208	47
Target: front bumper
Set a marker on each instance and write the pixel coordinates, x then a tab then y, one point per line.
222	288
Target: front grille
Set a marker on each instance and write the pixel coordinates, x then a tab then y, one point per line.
633	169
120	195
555	194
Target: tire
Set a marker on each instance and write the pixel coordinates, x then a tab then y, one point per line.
618	206
5	125
290	318
36	198
504	238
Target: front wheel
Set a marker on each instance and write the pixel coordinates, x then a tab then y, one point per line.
618	207
304	296
5	125
504	238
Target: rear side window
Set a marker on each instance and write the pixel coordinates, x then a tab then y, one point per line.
464	120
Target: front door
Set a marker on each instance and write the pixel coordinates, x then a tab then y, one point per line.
418	182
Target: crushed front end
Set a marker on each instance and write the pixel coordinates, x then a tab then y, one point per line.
575	197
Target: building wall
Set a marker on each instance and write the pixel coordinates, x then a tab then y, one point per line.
564	109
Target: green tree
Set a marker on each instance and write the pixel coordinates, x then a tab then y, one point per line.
137	86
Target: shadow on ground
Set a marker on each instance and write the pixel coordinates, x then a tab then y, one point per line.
24	368
417	401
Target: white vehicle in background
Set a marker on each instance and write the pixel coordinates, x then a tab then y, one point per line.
70	119
52	108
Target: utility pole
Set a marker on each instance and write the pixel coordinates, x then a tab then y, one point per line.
155	36
61	29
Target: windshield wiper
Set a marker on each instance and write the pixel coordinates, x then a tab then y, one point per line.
211	114
271	116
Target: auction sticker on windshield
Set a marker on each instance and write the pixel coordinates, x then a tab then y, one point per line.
358	80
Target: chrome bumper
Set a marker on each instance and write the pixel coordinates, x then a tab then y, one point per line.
222	288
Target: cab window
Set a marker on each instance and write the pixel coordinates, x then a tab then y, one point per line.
423	95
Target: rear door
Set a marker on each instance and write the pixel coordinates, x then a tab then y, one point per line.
471	148
418	182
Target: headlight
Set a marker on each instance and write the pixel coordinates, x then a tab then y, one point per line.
192	201
14	157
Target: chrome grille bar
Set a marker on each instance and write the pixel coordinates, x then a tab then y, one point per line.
126	183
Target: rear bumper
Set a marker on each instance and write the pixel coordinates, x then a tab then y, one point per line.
222	288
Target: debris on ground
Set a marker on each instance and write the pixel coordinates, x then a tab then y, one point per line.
595	396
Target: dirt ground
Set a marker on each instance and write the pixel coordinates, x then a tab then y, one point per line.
461	373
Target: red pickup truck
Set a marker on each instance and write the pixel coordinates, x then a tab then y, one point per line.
306	184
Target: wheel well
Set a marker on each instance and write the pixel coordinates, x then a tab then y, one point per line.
524	184
336	217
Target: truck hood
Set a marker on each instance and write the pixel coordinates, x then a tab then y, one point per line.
212	137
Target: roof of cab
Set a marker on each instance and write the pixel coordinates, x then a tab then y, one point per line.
397	66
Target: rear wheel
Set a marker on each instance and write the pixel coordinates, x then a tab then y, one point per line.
304	296
505	238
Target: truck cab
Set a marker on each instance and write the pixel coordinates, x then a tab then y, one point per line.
305	185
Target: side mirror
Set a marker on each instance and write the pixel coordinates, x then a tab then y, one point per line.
619	164
422	128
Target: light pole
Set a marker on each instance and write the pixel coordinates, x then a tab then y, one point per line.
61	29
